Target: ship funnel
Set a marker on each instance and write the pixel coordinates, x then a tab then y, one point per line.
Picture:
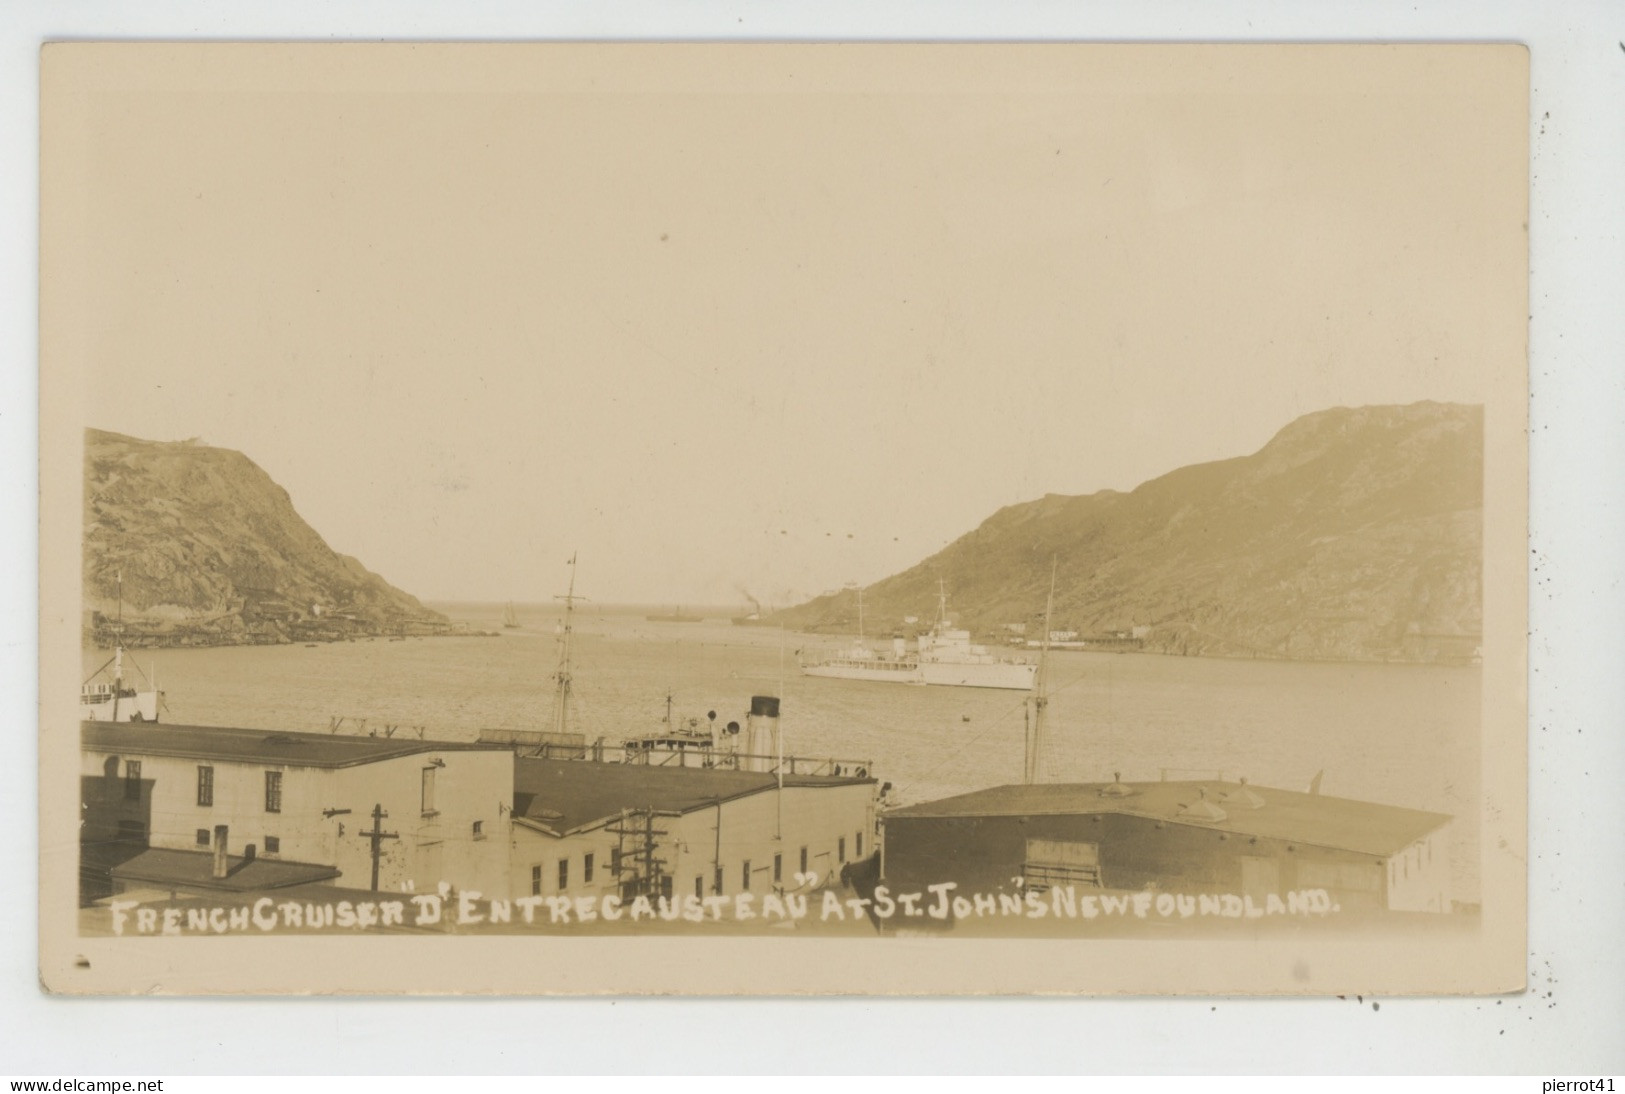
762	731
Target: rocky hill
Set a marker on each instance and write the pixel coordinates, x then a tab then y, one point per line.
212	552
1353	534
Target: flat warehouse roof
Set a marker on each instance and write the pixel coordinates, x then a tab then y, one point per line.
563	795
1264	811
195	870
258	745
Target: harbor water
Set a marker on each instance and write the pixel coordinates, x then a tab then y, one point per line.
1403	735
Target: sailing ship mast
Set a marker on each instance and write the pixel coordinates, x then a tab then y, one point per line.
118	648
111	702
1040	696
778	763
561	678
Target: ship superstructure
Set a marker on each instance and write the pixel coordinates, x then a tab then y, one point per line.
106	697
944	656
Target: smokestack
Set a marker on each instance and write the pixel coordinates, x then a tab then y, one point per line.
763	731
220	863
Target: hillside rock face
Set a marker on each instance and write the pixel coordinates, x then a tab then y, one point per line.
1354	534
213	553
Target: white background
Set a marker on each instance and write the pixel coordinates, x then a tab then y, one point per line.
1568	1023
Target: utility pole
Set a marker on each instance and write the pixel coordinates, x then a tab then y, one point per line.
377	835
651	882
638	871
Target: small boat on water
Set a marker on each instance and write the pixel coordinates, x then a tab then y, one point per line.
510	617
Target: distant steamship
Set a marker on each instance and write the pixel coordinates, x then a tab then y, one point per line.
944	656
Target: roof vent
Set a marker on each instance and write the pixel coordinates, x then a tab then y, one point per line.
1243	798
1202	809
1117	789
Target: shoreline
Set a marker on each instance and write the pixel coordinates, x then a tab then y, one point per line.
208	640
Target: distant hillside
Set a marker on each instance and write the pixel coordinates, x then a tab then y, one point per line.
212	553
1353	534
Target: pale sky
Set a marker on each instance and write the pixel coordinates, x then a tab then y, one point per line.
764	317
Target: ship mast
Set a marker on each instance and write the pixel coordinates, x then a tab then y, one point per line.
1040	696
118	648
561	678
778	765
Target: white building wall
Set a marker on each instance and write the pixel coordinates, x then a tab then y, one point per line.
1419	876
535	857
829	821
239	803
432	846
435	844
817	818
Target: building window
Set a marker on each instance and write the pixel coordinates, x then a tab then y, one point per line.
716	886
564	874
699	886
665	886
203	837
615	863
273	845
1061	862
840	849
479	829
857	845
778	869
744	884
273	791
586	869
804	860
205	785
535	881
428	790
132	780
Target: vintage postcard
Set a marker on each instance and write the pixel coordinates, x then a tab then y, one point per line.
772	519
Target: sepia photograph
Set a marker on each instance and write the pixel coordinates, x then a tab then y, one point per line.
779	519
